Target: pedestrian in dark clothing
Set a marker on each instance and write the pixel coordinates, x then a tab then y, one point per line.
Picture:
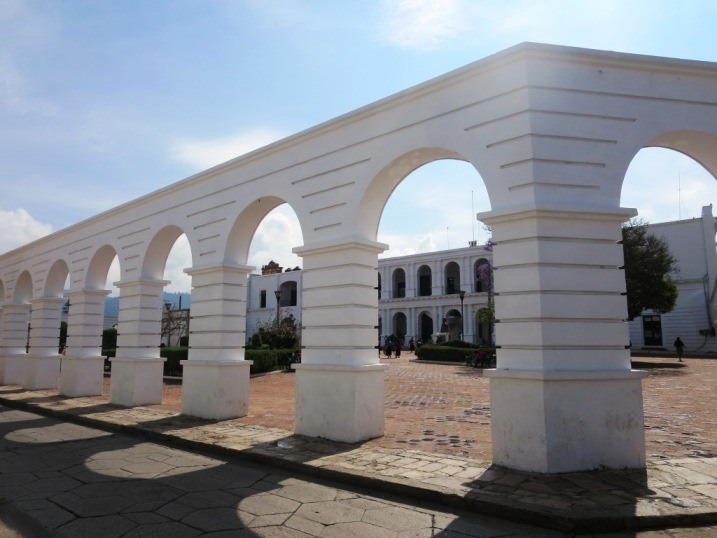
679	347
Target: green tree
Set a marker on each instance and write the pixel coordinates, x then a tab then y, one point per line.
648	269
109	338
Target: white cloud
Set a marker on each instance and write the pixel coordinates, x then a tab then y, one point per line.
203	154
420	24
19	228
405	244
432	24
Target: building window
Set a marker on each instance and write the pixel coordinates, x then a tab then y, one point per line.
289	294
424	281
399	283
451	285
652	330
262	299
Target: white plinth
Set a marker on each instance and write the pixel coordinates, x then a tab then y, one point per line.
136	381
564	421
42	372
82	376
12	369
215	389
341	403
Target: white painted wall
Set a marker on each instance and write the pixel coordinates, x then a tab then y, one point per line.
692	243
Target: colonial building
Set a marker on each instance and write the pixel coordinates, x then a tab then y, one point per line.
692	243
272	293
419	295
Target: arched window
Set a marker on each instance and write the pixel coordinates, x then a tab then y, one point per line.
483	275
425	284
425	324
453	278
399	283
288	293
399	325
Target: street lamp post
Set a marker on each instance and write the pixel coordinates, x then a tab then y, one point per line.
277	294
462	295
168	322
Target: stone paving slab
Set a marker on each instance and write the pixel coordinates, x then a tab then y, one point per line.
669	493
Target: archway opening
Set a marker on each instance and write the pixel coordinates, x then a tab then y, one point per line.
274	287
434	243
675	195
167	256
425	322
177	297
400	326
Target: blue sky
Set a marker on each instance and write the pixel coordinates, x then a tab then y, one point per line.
102	101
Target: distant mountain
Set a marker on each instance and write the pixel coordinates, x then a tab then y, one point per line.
112	303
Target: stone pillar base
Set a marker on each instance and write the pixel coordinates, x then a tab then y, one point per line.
136	381
341	403
42	372
215	389
82	376
564	421
12	369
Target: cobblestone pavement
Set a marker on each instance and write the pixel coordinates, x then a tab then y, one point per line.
63	479
445	409
679	486
81	482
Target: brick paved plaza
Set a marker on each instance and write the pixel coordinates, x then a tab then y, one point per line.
446	409
437	446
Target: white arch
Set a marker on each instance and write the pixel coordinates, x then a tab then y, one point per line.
551	131
99	266
243	228
379	190
55	280
155	257
22	293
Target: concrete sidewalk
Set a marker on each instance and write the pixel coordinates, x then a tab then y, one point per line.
670	493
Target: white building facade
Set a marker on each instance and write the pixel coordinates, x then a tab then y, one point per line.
418	295
264	305
692	243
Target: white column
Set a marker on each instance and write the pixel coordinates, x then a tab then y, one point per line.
15	318
410	323
215	380
437	277
563	395
42	366
411	285
137	369
83	365
465	283
340	383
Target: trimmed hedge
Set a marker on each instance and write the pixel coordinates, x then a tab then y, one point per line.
446	353
460	344
265	360
173	356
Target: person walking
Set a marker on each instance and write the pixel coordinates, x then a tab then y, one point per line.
679	347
